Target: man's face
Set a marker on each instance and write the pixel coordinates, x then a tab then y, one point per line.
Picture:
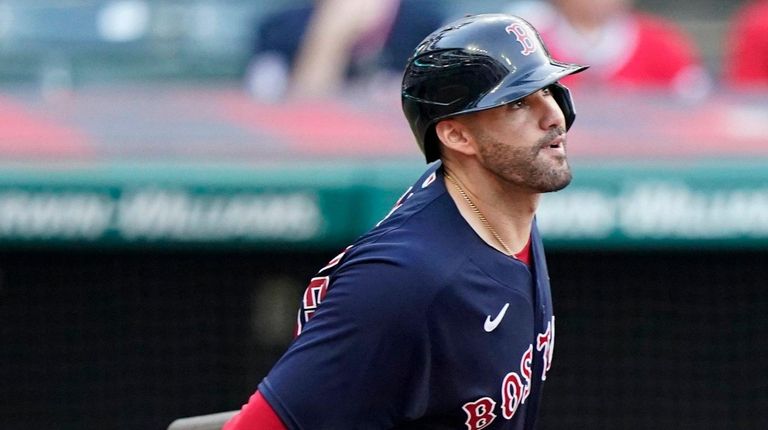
524	143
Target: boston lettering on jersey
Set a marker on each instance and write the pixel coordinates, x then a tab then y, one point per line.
515	388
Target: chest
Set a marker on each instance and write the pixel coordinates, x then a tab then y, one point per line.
491	343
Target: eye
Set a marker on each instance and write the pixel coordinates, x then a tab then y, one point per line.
518	104
546	91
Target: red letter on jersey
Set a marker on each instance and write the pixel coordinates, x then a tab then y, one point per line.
479	413
313	295
546	342
525	370
511	393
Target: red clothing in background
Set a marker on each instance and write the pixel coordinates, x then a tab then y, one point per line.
746	46
633	50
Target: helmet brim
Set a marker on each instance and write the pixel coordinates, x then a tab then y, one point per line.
514	88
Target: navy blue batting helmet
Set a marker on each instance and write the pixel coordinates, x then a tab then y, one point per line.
478	62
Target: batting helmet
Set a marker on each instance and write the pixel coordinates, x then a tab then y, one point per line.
478	62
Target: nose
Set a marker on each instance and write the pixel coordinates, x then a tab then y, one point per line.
551	114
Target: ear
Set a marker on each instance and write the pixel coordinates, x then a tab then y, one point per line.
455	136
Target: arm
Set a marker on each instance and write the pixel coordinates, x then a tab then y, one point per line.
363	351
324	55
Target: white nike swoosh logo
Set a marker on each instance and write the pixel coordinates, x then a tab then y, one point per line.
491	324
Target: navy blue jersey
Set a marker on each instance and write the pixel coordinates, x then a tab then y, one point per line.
419	324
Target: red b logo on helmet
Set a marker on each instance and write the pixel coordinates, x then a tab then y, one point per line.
521	34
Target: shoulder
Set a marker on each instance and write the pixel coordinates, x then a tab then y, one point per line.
403	267
411	253
423	223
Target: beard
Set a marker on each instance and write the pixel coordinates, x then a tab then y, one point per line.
527	167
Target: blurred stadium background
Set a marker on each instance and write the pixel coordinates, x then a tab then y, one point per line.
157	225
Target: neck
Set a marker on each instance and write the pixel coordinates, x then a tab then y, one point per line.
508	211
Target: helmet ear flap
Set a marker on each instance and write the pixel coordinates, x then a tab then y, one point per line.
562	96
431	144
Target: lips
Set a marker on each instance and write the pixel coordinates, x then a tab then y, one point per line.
556	142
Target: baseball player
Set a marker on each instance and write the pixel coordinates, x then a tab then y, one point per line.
440	317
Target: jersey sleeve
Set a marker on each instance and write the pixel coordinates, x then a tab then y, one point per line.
257	414
363	355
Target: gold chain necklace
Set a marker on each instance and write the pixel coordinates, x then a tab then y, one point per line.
477	212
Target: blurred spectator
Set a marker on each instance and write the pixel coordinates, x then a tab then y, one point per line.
746	54
317	49
626	48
